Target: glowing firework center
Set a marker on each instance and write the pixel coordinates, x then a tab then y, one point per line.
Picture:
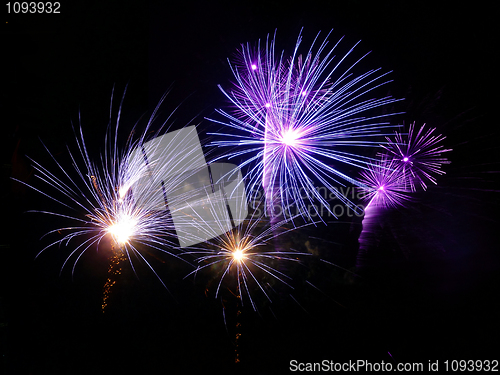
123	229
204	201
238	255
290	137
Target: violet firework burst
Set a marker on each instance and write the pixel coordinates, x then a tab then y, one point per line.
299	119
385	184
418	154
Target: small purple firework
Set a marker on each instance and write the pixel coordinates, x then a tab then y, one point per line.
299	119
388	182
419	155
385	184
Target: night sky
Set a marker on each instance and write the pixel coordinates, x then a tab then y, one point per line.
429	288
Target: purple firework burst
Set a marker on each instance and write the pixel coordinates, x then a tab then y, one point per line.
418	154
385	183
298	119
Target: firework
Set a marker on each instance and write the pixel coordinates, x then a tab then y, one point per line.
407	162
244	256
132	198
298	119
418	154
385	184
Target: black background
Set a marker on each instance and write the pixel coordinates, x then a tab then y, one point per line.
431	288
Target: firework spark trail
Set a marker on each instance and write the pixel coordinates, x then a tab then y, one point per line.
244	260
115	261
385	186
419	154
122	198
388	182
241	260
298	119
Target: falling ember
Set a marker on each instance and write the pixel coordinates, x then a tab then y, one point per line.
115	269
